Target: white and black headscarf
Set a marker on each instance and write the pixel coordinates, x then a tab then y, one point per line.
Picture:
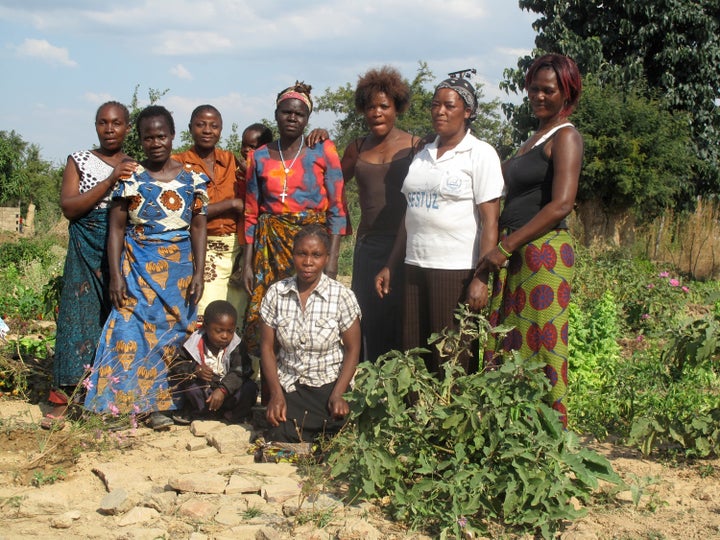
466	92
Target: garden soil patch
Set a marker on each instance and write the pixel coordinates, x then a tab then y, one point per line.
52	486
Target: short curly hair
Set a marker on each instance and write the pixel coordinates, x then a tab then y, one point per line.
387	80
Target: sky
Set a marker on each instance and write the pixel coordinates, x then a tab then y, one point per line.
61	59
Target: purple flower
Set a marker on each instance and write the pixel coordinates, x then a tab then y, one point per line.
640	338
674	282
462	521
664	274
645	316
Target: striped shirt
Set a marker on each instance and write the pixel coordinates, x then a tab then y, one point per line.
311	351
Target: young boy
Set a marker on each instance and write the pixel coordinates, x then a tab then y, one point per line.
209	372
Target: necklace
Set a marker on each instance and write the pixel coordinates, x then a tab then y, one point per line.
287	168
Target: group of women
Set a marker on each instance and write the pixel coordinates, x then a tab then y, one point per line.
431	233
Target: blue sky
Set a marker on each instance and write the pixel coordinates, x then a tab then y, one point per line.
62	58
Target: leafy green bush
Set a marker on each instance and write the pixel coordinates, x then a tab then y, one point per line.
466	453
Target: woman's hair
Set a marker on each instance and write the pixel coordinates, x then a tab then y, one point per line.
217	309
266	135
300	91
387	80
151	112
117	104
568	78
313	229
204	108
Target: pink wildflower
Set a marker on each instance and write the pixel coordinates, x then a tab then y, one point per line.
114	410
88	384
664	274
674	282
650	285
645	316
685	289
87	367
462	521
640	338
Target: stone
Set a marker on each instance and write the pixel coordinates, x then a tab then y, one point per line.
65	521
198	509
232	439
200	428
278	490
253	501
196	444
147	534
42	503
358	529
229	516
243	484
116	502
138	514
163	502
198	482
198	536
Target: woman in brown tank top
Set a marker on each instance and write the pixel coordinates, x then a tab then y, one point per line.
379	162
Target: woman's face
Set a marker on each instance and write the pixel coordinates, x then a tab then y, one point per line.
156	138
448	113
292	117
111	127
309	258
205	129
380	114
546	98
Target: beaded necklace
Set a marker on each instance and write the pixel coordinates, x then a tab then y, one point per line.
286	168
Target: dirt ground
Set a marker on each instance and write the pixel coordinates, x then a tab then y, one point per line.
676	500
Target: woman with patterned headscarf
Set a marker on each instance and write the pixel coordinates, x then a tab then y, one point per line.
289	185
453	190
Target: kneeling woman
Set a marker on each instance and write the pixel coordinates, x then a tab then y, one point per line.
310	344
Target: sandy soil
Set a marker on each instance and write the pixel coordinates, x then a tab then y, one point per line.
50	486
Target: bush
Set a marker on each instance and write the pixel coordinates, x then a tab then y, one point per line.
466	453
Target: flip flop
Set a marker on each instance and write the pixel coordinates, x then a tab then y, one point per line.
50	421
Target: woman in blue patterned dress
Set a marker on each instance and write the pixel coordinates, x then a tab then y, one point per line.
156	255
88	180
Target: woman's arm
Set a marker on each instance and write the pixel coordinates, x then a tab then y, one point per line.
117	222
397	256
337	406
337	218
276	407
198	242
566	152
489	212
252	211
75	204
235	205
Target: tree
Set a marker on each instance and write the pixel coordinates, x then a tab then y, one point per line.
132	145
674	45
416	120
638	156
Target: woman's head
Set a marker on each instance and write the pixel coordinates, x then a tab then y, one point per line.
311	248
112	122
453	107
292	110
156	130
381	94
566	74
253	137
205	127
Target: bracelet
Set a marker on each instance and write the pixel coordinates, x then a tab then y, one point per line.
223	390
502	250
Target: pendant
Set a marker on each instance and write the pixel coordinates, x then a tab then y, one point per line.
283	195
287	171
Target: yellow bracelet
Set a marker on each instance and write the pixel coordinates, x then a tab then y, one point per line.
502	250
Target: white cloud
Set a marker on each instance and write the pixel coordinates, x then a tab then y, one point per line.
42	49
181	72
98	98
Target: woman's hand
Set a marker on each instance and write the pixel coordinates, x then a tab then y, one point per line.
195	291
338	407
493	261
317	135
117	290
124	169
382	282
276	409
477	294
215	400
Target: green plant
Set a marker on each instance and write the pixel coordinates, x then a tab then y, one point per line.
252	512
461	454
40	478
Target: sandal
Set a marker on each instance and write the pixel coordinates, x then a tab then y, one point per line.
55	419
159	422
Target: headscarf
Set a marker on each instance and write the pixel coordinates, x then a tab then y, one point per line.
299	91
466	91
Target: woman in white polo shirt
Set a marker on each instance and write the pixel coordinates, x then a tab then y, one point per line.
453	191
